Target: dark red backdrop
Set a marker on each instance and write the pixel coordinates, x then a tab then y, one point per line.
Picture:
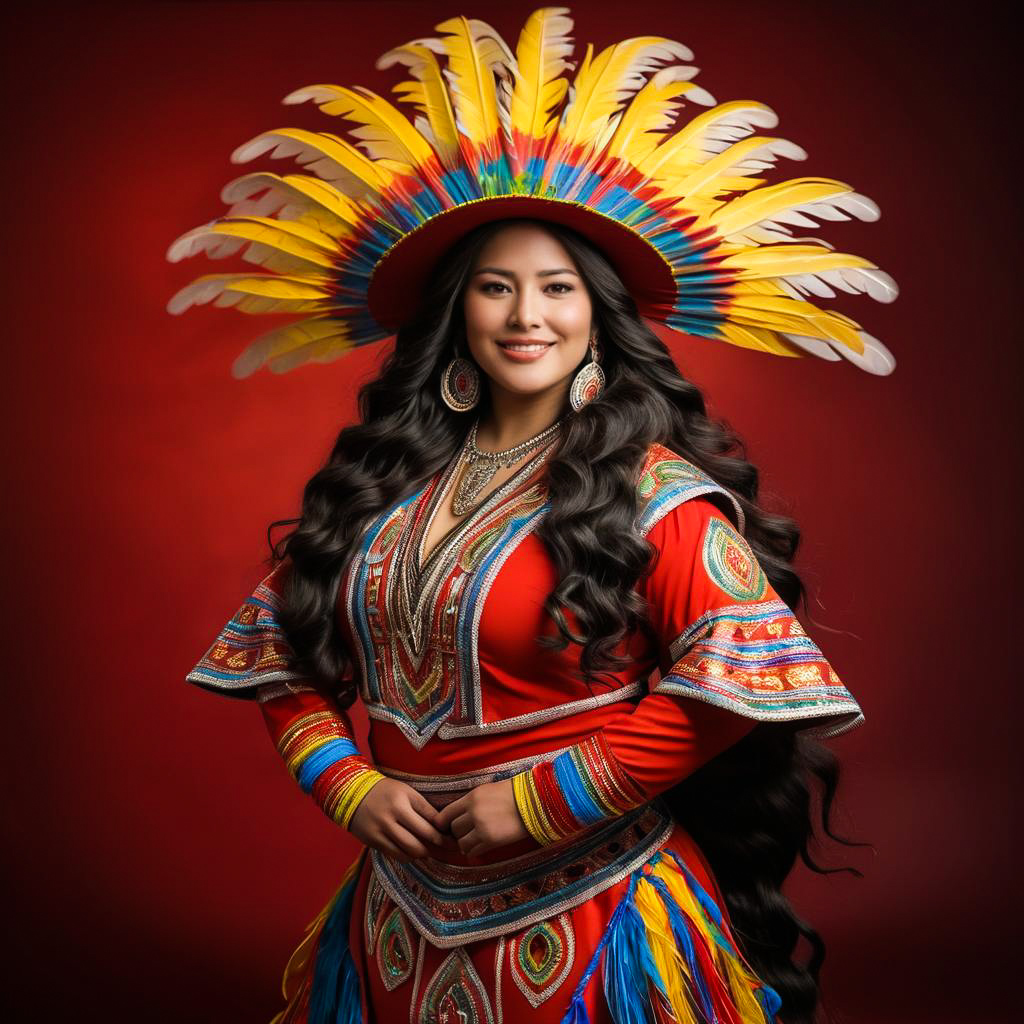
163	863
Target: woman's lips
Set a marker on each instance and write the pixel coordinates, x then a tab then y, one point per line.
524	351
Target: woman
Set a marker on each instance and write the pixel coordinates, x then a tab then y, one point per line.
535	558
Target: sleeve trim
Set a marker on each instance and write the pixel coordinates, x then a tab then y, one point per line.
667	480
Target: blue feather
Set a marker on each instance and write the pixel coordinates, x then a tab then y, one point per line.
335	996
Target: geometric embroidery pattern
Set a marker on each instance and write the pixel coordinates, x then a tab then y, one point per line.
541	958
394	950
756	659
455	994
731	564
377	901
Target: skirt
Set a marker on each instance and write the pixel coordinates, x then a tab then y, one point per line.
653	945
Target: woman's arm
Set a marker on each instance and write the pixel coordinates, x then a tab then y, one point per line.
732	654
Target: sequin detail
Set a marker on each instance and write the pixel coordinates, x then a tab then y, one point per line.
251	650
451	904
377	902
541	958
455	994
394	950
731	564
757	660
412	620
667	480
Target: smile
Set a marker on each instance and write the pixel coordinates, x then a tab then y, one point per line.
523	346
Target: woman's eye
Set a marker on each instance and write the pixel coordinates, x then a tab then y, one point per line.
563	285
487	286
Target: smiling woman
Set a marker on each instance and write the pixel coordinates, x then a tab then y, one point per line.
535	560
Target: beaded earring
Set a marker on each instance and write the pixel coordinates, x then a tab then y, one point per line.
460	385
588	382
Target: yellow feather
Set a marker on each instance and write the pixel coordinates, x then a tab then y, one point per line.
283	246
250	293
681	152
475	52
540	57
760	339
333	159
794	316
385	132
665	953
781	260
291	197
604	83
318	339
429	94
651	111
708	179
765	202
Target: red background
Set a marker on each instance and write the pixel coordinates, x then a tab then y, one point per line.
163	863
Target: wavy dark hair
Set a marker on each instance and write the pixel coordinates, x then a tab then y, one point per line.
750	808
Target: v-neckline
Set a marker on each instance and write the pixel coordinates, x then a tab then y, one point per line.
440	493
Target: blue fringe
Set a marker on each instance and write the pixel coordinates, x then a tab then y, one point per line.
335	997
629	968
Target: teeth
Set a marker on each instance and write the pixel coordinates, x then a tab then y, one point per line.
523	348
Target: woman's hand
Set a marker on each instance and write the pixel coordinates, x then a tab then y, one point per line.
397	820
485	818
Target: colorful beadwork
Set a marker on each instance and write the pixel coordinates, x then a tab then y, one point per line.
581	786
666	480
729	561
377	903
251	650
756	659
320	752
541	957
455	994
455	904
394	950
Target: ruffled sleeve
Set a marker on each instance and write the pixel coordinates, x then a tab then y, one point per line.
313	734
731	654
731	642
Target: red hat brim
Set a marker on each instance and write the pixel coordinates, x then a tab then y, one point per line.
398	281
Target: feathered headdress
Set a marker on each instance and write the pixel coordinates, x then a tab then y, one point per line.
703	243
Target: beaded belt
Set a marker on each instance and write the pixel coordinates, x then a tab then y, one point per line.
451	904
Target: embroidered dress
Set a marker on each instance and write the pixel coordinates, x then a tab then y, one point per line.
608	911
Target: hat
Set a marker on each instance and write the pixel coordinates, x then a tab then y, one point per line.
675	201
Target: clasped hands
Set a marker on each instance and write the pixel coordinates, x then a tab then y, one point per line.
398	820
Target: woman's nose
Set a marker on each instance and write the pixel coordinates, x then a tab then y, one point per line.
524	309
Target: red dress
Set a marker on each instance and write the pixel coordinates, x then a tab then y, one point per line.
609	912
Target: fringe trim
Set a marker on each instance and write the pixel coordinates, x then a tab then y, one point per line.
320	983
669	957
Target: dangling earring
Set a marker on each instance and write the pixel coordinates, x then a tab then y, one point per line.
460	385
589	382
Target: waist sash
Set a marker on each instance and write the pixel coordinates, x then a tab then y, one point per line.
452	904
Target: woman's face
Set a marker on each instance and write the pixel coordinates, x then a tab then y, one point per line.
528	314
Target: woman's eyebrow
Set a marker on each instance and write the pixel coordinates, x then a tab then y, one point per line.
540	273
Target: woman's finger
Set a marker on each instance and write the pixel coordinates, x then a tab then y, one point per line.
425	808
471	844
419	827
406	841
386	846
451	811
461	825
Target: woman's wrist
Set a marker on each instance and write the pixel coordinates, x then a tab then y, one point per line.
578	788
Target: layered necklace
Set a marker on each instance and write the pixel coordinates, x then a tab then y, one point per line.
481	466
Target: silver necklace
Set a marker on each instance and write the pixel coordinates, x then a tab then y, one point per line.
481	466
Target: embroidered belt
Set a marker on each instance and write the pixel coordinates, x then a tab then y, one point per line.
451	904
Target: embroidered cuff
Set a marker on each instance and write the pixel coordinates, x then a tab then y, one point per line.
580	787
322	757
756	660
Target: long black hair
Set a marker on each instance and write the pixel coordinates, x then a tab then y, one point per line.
749	809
